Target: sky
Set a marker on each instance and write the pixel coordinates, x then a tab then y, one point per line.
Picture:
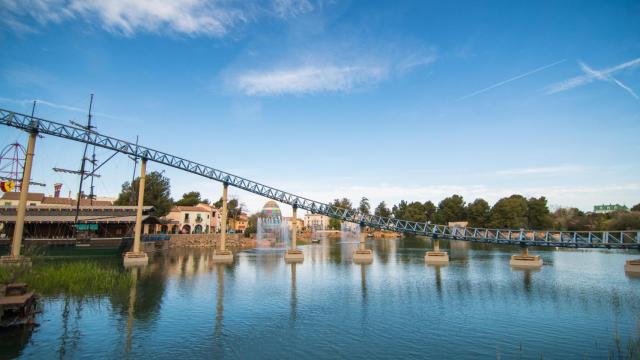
409	100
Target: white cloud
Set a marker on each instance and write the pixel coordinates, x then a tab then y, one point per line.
323	69
416	60
190	17
549	170
308	79
591	75
583	197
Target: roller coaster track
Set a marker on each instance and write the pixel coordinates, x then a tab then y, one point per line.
575	239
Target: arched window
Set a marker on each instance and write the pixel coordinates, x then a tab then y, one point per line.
197	229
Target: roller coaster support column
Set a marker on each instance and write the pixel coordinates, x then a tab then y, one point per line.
222	255
436	256
632	267
16	244
135	257
524	260
363	255
293	254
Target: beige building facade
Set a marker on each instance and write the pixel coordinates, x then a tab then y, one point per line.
200	219
316	221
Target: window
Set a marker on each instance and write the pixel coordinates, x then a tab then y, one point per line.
186	217
7	203
32	204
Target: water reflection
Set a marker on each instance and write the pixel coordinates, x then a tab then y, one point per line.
294	297
132	303
394	307
219	299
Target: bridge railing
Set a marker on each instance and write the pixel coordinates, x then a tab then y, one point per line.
625	239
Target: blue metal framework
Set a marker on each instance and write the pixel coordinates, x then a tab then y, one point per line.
575	239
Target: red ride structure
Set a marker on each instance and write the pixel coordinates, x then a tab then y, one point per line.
12	163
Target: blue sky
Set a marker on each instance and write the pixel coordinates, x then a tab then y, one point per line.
389	100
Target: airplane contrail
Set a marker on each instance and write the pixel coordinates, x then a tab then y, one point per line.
592	75
510	80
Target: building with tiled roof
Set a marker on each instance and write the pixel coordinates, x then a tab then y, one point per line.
199	219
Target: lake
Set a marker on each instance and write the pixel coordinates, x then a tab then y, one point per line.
580	304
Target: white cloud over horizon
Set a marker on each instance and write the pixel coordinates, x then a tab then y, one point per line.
547	170
190	17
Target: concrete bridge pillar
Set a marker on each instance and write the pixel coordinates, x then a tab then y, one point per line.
524	260
293	254
222	255
362	255
436	256
135	257
15	258
632	267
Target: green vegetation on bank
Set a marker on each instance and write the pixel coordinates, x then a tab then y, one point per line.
71	278
513	212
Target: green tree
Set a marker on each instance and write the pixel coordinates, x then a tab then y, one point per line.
398	211
478	213
538	215
451	209
430	210
382	210
510	213
365	207
415	211
334	224
157	193
252	226
343	203
624	221
636	207
191	198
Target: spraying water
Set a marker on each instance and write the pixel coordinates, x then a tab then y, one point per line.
274	232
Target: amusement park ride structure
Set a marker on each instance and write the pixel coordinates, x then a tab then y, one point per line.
524	237
12	160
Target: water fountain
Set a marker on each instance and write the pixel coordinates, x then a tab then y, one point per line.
273	231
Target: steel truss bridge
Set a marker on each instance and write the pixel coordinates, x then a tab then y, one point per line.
572	239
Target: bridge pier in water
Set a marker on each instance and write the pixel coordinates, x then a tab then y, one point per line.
632	267
524	260
436	256
135	257
293	254
362	255
15	258
222	255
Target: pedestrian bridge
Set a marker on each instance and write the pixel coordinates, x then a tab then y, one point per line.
574	239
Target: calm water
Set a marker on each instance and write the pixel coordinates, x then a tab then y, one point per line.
580	303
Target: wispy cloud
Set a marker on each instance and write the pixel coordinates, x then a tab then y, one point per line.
190	17
308	79
548	170
591	75
581	196
510	80
321	70
28	103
